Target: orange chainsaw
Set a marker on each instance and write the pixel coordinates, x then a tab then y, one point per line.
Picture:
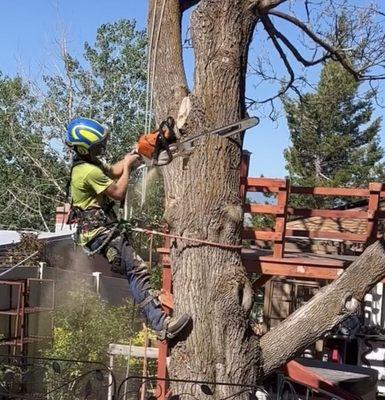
161	146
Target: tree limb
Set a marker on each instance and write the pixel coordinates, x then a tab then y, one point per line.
270	30
263	6
356	7
28	207
332	50
294	50
40	166
329	307
168	93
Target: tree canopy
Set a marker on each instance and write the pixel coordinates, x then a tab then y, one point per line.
108	84
31	174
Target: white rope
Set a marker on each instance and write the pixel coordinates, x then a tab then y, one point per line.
19	263
147	122
156	53
151	67
144	187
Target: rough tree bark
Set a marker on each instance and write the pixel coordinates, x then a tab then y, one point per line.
202	201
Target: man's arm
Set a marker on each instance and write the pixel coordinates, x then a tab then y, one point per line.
116	170
117	190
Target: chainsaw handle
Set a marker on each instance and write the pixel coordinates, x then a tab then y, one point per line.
166	128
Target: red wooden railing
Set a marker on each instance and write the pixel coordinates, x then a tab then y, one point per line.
281	212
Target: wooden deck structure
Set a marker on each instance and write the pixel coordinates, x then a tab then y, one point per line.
275	261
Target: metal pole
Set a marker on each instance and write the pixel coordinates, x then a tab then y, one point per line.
110	383
97	276
127	371
40	271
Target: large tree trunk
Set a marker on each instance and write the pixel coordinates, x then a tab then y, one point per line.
202	201
202	194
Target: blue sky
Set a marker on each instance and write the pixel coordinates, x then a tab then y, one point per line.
30	30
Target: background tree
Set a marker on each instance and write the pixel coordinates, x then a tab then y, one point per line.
84	327
108	85
31	173
335	142
202	200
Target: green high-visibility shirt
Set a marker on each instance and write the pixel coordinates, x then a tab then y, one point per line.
88	183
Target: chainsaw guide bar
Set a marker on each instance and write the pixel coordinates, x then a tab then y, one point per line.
225	131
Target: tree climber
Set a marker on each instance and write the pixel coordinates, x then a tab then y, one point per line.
94	186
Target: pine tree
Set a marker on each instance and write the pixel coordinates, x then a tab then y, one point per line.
335	142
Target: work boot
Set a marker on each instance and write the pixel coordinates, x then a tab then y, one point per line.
172	327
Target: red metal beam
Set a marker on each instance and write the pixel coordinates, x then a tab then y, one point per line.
162	345
351	237
262	280
251	234
373	206
280	221
264	209
302	233
295	267
299	271
263	184
327	262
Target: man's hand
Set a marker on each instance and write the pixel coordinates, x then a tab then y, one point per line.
131	159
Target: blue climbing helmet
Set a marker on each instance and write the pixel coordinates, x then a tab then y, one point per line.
84	133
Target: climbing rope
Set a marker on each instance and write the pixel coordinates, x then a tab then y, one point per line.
187	239
151	67
156	52
147	121
113	230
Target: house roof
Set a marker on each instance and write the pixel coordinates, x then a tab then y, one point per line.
8	237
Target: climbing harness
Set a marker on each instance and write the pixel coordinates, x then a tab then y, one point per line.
92	218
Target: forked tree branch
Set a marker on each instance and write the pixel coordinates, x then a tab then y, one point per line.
295	52
166	54
264	6
329	48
